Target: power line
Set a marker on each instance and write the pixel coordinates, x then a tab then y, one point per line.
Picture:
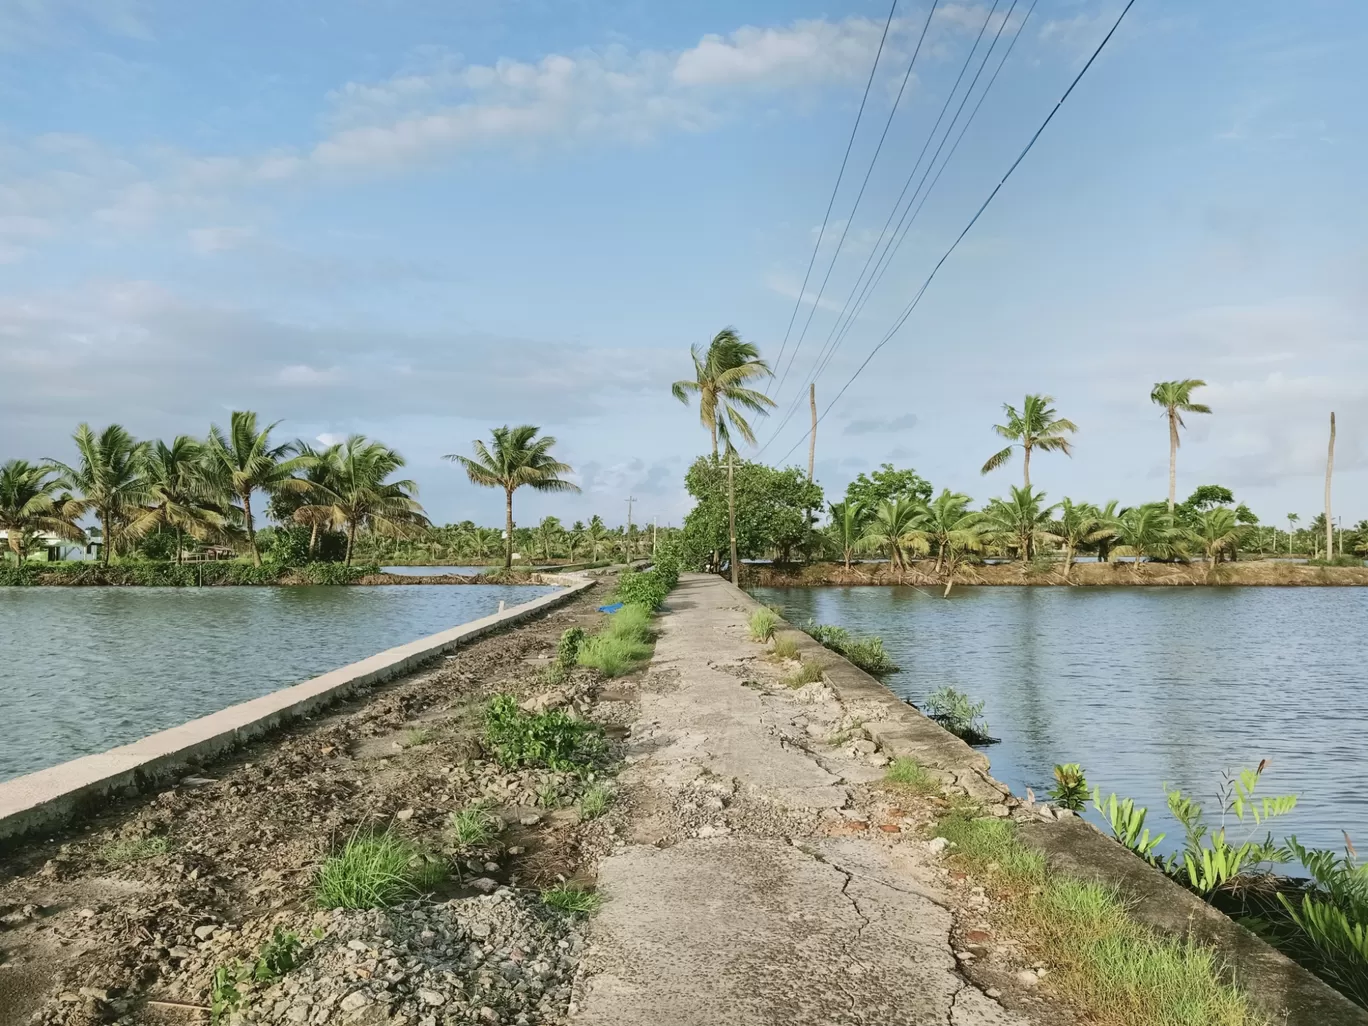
839	174
888	123
907	311
949	98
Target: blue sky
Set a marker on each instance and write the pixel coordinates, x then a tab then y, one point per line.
421	219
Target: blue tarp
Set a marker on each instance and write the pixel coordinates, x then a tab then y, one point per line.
610	609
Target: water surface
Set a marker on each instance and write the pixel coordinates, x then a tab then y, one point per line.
434	571
1142	685
85	669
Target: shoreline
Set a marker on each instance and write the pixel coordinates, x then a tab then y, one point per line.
1083	575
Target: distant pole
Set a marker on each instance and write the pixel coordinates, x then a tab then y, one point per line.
731	516
655	534
630	499
812	437
1329	469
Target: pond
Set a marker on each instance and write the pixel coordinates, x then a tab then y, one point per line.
1142	686
434	571
86	669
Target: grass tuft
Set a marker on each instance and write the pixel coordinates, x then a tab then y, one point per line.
622	646
472	827
374	871
417	737
808	672
570	900
909	774
595	802
763	623
786	647
134	849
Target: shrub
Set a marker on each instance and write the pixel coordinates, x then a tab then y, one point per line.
1070	790
954	711
643	589
866	653
372	871
762	624
551	739
910	774
786	647
570	900
567	649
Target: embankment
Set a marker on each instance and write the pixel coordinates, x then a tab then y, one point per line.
923	574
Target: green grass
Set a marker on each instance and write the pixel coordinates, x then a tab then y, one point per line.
469	828
549	796
595	802
569	900
786	647
630	623
1113	969
612	656
374	871
808	672
134	849
909	773
763	623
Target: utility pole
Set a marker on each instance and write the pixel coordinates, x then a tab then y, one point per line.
655	532
1329	469
812	437
630	499
731	515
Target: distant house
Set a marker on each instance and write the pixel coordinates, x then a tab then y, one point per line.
50	548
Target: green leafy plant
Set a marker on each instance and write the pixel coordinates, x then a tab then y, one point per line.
549	796
279	955
1127	822
1070	789
568	648
471	827
595	802
866	653
372	871
647	588
954	711
570	900
762	624
224	996
551	739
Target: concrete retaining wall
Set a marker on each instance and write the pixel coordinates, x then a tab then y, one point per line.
51	797
1287	992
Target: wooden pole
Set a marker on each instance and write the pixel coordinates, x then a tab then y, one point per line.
731	517
628	538
1329	469
812	437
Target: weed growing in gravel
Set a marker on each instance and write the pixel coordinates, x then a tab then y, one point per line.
224	997
417	737
134	849
567	649
808	672
622	645
910	774
550	739
279	955
373	871
786	647
549	796
595	802
569	900
762	624
1115	970
472	827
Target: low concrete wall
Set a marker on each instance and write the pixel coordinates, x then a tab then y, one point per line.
1291	995
51	797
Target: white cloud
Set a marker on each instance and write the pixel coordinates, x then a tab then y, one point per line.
206	241
788	288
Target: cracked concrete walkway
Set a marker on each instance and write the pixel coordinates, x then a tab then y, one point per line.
754	891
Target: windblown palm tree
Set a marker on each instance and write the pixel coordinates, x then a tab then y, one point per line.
1078	524
1176	399
1036	426
1019	520
720	377
893	528
1218	532
179	496
244	461
1146	530
1292	519
549	534
597	534
359	495
846	530
947	524
575	538
109	477
518	458
31	504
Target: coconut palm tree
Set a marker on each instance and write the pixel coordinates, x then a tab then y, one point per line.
846	530
575	538
1078	524
1292	519
109	477
1036	426
1018	521
359	495
597	534
1218	532
549	534
31	504
1146	530
1176	399
720	376
518	458
243	461
892	527
947	524
178	496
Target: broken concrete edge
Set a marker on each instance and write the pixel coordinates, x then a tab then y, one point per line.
1281	988
51	798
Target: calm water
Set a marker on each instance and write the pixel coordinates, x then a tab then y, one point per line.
433	571
85	669
1142	685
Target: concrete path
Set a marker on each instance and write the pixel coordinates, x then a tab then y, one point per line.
759	887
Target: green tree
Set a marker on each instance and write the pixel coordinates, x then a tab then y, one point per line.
720	381
1217	532
1146	530
575	538
1204	497
300	505
517	459
242	461
893	528
179	497
846	529
31	504
549	534
948	525
109	477
1078	524
1019	520
359	495
1037	426
886	484
1176	399
597	535
772	506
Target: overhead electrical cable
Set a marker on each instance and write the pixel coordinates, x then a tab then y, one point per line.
912	305
839	175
